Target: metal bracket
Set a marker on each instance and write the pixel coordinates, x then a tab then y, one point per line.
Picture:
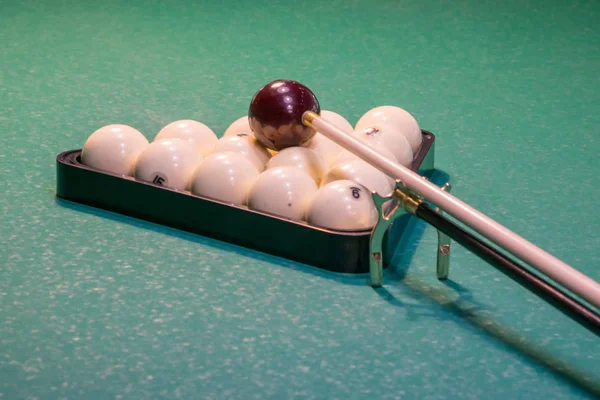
389	208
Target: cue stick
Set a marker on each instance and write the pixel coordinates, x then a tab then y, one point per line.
573	308
555	269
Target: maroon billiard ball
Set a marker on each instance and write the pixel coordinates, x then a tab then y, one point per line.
275	114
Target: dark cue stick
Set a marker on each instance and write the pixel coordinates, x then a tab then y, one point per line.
571	307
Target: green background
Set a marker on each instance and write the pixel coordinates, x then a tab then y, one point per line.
96	305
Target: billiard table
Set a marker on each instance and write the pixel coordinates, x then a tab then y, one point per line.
96	304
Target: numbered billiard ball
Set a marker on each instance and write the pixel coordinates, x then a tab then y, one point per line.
240	125
302	158
342	205
114	148
275	114
225	176
282	191
324	146
384	136
245	145
400	120
169	163
363	173
196	133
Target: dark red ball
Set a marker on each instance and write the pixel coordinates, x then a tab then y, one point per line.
275	114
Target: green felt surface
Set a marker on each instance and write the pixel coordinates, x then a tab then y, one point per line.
95	305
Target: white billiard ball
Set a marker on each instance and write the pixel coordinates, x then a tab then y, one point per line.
246	145
343	205
302	158
225	176
346	155
198	134
282	191
363	173
114	148
324	146
240	125
168	162
398	119
381	135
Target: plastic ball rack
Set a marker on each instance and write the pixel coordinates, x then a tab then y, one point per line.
337	251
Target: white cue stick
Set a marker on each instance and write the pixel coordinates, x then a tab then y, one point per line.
559	271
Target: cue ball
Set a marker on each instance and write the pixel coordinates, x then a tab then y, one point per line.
225	176
363	173
324	146
384	136
343	205
245	145
196	133
398	119
114	148
275	114
240	125
169	163
302	158
283	191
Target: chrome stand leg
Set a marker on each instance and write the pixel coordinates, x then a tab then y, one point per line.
376	244
443	253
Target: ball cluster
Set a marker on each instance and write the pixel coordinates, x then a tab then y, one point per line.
268	160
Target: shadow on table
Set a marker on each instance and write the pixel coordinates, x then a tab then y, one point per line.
429	302
463	308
